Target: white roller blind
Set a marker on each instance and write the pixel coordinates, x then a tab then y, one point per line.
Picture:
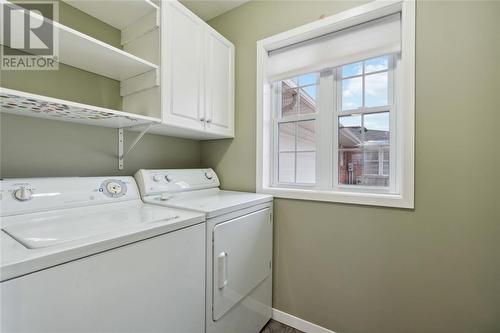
370	39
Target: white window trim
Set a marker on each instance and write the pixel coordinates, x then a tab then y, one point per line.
405	101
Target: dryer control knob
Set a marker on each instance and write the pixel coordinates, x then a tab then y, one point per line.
23	194
209	175
168	178
156	178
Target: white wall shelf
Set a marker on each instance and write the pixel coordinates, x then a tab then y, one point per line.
27	104
118	14
87	53
81	51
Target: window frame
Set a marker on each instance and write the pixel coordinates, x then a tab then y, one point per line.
404	99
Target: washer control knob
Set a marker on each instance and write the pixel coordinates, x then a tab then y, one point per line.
23	194
114	188
168	178
156	178
209	175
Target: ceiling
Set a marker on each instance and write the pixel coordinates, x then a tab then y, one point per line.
208	9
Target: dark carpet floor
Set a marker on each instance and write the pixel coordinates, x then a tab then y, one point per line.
274	326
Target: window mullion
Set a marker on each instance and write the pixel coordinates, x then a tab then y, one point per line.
324	131
276	113
359	111
295	118
296	132
363	169
395	134
336	108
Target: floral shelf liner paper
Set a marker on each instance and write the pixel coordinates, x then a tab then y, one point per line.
56	110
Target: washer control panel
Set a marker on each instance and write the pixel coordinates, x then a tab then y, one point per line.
24	195
175	180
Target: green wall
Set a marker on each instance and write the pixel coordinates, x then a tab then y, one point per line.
358	269
33	147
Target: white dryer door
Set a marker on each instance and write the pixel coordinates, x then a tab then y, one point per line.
242	254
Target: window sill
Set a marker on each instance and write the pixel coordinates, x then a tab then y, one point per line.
357	198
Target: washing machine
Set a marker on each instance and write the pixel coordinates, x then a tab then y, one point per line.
85	254
239	233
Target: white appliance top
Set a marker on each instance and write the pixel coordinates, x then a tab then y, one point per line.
27	195
193	189
49	221
175	180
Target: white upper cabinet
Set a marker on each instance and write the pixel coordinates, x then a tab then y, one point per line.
197	77
182	67
219	84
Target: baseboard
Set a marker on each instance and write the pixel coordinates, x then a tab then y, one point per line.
300	324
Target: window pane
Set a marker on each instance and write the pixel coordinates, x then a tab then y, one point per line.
350	121
350	131
371	168
377	127
286	140
350	167
376	90
375	180
306	136
289	99
310	91
350	152
377	64
352	69
306	167
371	156
352	93
286	167
386	164
307	79
386	154
307	99
361	147
386	169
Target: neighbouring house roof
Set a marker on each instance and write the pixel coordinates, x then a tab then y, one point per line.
290	97
351	137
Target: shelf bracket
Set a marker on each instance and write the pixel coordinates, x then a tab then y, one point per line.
121	153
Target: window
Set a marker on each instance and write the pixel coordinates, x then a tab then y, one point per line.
362	114
336	111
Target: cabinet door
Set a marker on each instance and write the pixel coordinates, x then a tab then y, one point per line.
182	67
219	84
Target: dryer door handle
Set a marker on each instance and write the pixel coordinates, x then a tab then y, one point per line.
222	270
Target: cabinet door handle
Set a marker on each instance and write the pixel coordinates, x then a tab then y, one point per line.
209	120
202	118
